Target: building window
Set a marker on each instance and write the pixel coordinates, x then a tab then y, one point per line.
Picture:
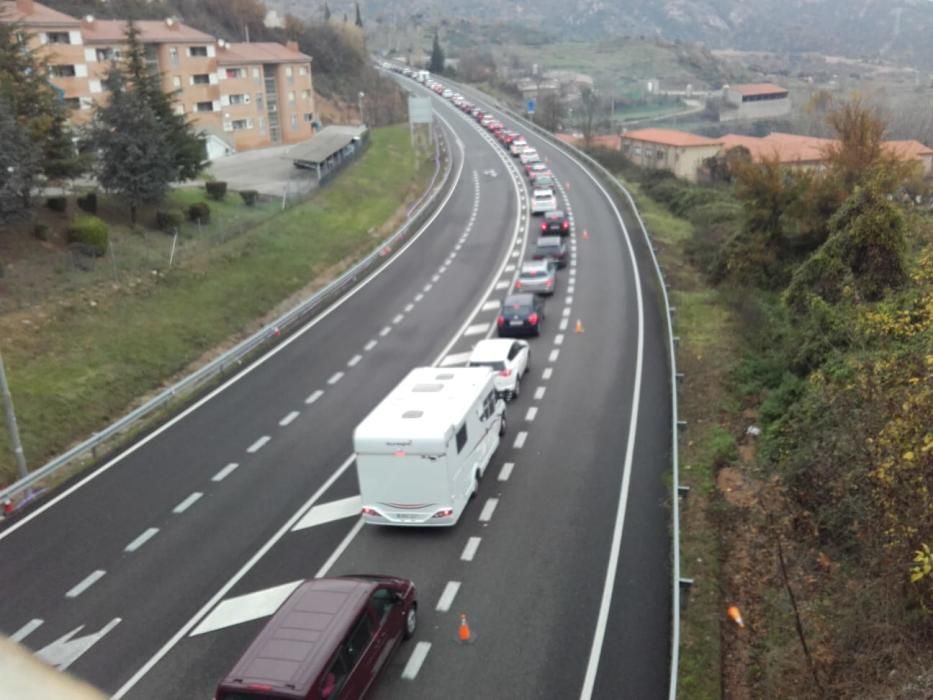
291	98
237	99
259	100
204	106
58	37
104	55
62	71
309	117
302	71
257	75
240	124
73	102
197	51
294	121
201	79
176	82
233	73
306	94
173	55
288	71
262	125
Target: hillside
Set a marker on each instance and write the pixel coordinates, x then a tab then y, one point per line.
897	30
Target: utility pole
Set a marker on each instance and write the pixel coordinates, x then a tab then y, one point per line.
11	423
362	121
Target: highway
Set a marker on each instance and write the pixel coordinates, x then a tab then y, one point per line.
149	577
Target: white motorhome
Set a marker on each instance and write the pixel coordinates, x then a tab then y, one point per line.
421	452
422	76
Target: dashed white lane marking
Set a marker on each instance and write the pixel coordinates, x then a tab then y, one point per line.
258	445
570	289
514	253
335	378
289	418
370	345
488	509
458	246
503	284
418	297
566	311
510	268
563	323
142	539
88	581
225	472
490	305
518	241
314	397
244	608
27	629
398	318
546	374
354	361
447	597
506	471
385	331
476	329
456	358
418	655
428	287
554	355
539	393
329	512
435	278
187	503
470	550
559	339
442	269
520	440
532	413
408	308
568	301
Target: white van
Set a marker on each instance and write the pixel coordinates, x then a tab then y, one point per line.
422	76
421	452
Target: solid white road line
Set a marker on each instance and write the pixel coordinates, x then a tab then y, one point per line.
476	329
329	512
142	539
531	414
314	397
354	361
469	551
398	318
341	548
488	509
490	305
243	608
506	471
370	345
520	440
563	323
385	331
225	472
286	420
258	445
457	358
559	339
554	355
88	581
547	373
27	629
447	597
335	378
539	393
187	503
415	661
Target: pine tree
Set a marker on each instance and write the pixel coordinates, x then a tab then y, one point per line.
135	155
19	163
187	149
437	56
359	17
326	11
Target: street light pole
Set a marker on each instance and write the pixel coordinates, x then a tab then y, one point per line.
362	121
11	423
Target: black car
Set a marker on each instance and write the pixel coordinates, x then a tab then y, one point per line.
555	223
521	314
551	248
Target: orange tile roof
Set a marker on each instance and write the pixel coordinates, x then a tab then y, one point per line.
105	31
670	137
907	150
40	15
758	89
787	148
259	52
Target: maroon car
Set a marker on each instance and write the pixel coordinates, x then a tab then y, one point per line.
329	640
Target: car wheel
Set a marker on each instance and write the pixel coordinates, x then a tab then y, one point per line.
475	486
517	389
503	425
411	621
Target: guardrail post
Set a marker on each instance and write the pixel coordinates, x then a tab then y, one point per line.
685	585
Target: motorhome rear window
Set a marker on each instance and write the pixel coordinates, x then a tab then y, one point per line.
422	388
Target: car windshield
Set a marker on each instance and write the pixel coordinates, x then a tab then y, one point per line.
533	274
497	366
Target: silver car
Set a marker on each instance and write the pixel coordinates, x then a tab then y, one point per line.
537	277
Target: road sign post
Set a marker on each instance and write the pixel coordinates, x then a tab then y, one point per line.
532	105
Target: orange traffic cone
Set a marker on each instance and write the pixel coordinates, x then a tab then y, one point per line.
736	616
579	328
464	632
586	235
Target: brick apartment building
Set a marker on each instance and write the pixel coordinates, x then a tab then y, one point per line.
241	95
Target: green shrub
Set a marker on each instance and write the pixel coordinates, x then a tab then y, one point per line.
721	448
216	190
57	203
88	202
41	231
200	211
89	232
169	219
250	197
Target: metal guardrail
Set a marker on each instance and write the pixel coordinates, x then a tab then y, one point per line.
675	467
267	336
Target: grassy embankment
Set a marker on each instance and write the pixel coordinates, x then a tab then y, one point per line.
83	359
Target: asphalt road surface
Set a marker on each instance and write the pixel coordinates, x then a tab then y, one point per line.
151	577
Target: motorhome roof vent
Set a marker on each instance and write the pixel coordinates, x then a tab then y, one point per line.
444	377
412	414
426	388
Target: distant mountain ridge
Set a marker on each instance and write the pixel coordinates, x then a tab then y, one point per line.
897	30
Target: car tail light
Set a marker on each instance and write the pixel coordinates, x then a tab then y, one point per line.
443	513
533	319
505	373
369	511
566	224
518	284
549	283
500	321
543	226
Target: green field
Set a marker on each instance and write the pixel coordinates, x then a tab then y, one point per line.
81	362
